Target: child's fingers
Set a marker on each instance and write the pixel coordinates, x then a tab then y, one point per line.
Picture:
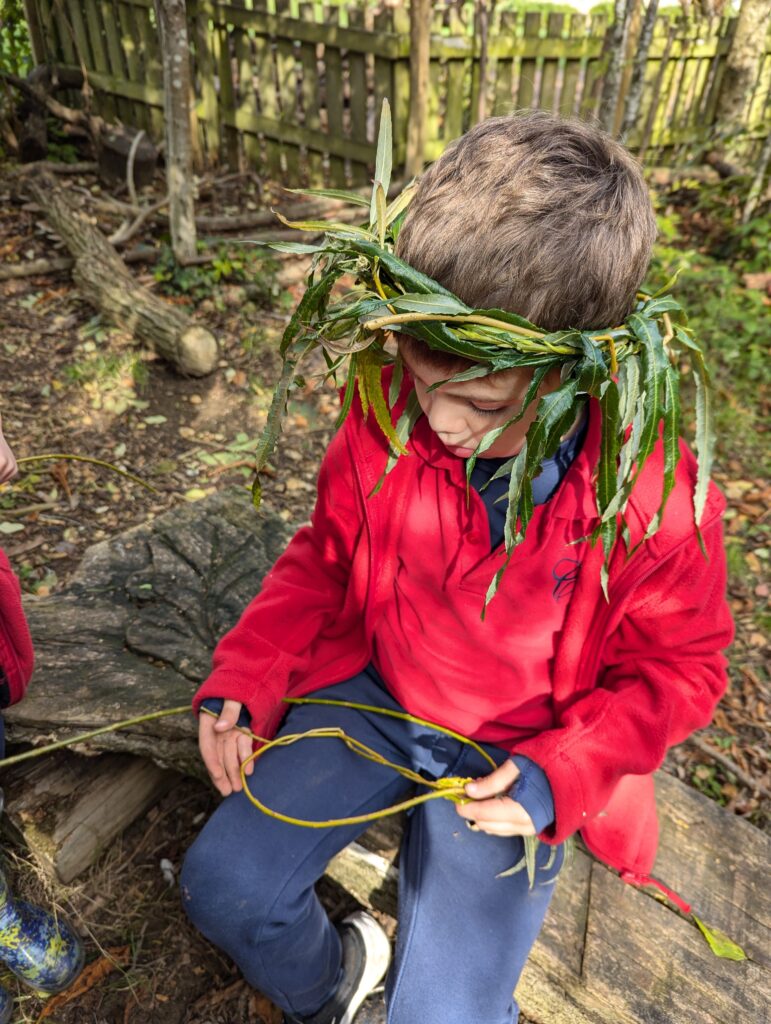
501	816
244	751
499	781
210	747
231	760
228	717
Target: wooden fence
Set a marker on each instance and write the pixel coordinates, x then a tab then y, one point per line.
293	88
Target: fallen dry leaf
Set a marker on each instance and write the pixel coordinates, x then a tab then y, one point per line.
91	975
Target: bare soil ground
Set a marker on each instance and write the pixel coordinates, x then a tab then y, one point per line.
71	384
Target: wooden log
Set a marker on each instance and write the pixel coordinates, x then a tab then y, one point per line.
102	277
134	630
68	809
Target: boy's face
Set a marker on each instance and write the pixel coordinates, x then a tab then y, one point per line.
461	414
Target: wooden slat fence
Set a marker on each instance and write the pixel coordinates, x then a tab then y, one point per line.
293	87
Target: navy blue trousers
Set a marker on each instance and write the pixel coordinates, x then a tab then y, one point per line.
464	934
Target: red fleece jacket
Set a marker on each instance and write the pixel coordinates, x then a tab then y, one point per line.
16	657
632	675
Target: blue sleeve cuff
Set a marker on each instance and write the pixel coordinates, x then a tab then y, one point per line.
215	704
533	792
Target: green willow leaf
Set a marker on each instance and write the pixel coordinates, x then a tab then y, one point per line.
610	443
295	247
592	371
324	225
671	443
400	204
383	159
719	942
396	380
331	193
404	426
380	212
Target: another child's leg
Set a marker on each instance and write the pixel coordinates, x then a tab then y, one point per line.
464	934
248	880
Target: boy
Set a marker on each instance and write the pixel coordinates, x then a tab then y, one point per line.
39	947
575	697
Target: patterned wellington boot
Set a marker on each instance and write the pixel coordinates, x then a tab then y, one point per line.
39	948
6	1005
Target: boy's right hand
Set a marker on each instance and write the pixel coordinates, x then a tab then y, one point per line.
224	748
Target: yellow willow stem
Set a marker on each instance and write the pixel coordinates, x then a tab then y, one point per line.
452	788
87	458
82	737
488	321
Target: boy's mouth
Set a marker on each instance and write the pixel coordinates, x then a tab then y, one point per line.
463	453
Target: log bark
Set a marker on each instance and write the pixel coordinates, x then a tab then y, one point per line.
102	277
68	809
634	95
172	30
742	63
420	42
135	629
614	47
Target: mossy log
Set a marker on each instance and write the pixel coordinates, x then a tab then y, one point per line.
106	283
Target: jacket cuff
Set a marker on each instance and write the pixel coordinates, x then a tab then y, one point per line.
215	705
533	792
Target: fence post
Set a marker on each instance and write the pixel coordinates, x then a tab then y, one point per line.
35	34
420	41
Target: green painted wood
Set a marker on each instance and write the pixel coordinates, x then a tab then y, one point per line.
268	96
117	65
129	40
80	35
569	96
247	104
64	32
223	63
311	93
286	70
528	68
590	95
208	105
333	65
297	135
384	79
548	99
357	98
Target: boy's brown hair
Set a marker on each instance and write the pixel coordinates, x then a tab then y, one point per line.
540	215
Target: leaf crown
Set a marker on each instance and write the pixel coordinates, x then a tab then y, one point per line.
632	369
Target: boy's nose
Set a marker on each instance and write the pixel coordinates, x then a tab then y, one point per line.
444	420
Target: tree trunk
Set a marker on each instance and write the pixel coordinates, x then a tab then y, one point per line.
172	30
615	40
481	31
102	277
634	96
742	64
420	41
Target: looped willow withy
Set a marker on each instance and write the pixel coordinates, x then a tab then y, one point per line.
631	369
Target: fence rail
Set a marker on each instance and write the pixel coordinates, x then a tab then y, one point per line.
293	88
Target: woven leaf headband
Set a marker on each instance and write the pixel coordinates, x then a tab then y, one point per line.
632	370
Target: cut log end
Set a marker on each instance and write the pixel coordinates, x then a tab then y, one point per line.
198	352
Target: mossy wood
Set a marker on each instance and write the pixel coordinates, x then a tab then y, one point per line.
133	632
307	120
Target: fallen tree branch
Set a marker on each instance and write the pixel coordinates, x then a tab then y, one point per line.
106	283
79	167
93	123
128	229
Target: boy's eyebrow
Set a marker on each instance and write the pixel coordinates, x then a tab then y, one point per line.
470	395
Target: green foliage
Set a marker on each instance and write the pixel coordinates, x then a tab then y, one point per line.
15	50
703	238
230	264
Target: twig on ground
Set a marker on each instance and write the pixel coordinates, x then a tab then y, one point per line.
127	230
130	185
729	765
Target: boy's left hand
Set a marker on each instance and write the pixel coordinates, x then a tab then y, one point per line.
491	810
